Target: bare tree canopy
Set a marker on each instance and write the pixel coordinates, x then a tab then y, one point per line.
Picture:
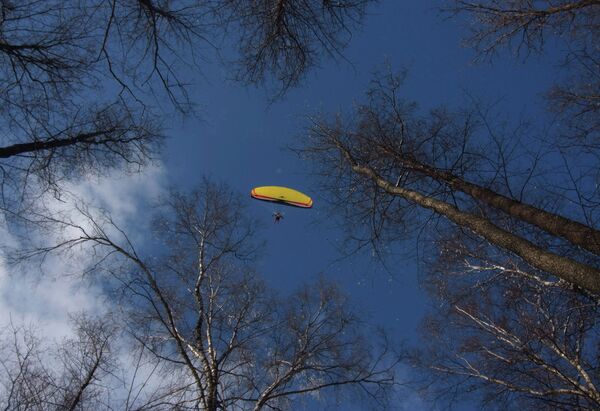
78	79
38	375
389	159
498	332
49	48
282	38
218	336
527	26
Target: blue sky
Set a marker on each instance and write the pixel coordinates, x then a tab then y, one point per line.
240	138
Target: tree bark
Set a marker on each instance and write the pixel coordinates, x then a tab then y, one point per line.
17	149
576	233
583	276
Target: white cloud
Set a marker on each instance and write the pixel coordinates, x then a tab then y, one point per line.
125	196
47	296
46	301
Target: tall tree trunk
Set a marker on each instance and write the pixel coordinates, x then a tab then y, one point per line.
576	233
584	276
51	144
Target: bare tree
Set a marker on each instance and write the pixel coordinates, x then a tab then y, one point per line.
55	59
78	80
38	375
220	338
92	142
525	25
500	332
282	38
389	159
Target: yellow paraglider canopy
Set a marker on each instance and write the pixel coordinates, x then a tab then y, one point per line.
282	195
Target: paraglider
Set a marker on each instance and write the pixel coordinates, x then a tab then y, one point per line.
281	195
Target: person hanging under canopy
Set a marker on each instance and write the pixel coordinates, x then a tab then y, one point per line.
281	195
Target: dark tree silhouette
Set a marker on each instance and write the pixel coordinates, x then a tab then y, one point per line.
79	79
528	26
282	38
